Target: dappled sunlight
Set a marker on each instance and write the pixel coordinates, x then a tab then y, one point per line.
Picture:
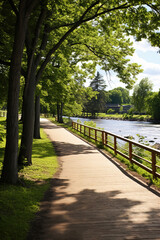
92	199
92	215
63	149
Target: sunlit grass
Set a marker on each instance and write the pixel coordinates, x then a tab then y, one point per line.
125	116
18	204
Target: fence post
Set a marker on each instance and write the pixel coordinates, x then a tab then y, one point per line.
130	152
95	135
103	140
84	130
154	165
115	145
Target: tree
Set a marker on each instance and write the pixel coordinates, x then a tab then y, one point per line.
97	104
98	83
85	20
118	95
125	94
50	28
64	85
153	103
9	171
3	86
115	96
145	22
140	94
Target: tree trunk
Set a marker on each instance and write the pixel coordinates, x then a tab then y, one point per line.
25	154
22	110
37	118
10	171
61	113
58	110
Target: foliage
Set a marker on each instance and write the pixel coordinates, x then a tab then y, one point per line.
131	111
90	124
98	83
119	95
153	103
73	109
97	103
145	22
115	96
110	111
3	86
140	94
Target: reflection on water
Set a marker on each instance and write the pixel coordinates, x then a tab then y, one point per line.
150	131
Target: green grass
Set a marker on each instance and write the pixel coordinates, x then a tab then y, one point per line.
19	203
115	116
125	116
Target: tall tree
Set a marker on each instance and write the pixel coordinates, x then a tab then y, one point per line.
119	95
125	94
98	83
140	94
97	104
9	171
153	103
115	96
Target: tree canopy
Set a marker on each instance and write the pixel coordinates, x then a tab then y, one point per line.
35	33
153	104
140	94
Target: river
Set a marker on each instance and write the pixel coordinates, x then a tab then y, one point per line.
150	131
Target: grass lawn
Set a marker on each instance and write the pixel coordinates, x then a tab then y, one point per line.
18	204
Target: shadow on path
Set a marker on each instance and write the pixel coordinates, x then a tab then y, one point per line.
63	148
91	215
48	125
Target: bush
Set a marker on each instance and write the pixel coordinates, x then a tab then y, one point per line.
131	111
109	111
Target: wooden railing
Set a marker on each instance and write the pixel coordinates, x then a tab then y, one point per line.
144	156
3	113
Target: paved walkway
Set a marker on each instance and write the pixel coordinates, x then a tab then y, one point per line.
92	199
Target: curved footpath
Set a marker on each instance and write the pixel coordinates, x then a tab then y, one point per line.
92	199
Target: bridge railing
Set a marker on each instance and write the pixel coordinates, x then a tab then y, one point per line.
144	156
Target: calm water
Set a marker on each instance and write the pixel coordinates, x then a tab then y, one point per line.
150	131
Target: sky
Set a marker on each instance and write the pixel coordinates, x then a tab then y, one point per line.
149	59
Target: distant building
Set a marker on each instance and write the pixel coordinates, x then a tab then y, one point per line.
126	108
113	106
116	107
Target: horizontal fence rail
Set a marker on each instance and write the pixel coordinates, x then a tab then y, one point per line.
144	156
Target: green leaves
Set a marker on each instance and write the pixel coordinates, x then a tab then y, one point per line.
153	103
140	94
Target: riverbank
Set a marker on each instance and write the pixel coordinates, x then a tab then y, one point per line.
141	131
145	118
